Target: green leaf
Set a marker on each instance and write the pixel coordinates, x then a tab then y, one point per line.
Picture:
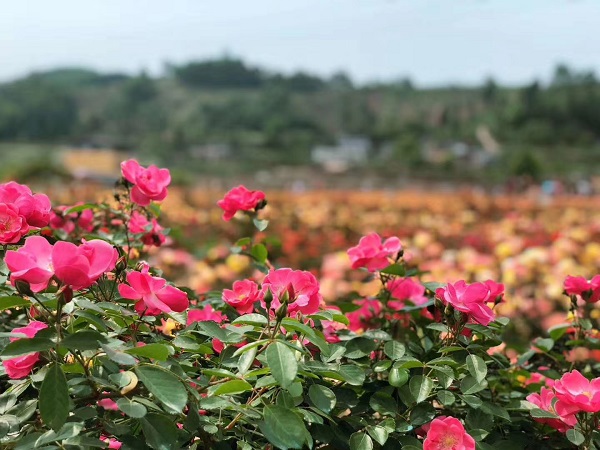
359	347
397	377
261	225
27	345
544	344
246	360
233	387
383	403
283	428
80	208
394	350
395	269
575	437
282	362
476	367
12	301
380	434
54	398
446	398
259	252
156	351
360	441
118	356
83	340
322	397
164	385
131	408
353	375
310	333
470	385
558	331
420	387
251	319
542	414
160	431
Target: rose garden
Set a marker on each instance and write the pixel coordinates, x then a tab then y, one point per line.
101	349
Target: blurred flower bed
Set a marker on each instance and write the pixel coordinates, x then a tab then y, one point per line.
529	245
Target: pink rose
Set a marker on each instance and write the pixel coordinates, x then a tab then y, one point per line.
447	433
300	288
68	222
21	366
588	290
151	231
148	183
12	226
239	199
204	315
470	299
35	209
152	294
31	263
403	289
108	404
496	290
243	296
80	266
360	320
546	400
578	392
372	253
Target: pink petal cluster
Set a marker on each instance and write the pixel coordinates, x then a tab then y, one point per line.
151	231
148	183
372	253
547	401
152	294
300	287
578	393
447	433
20	211
403	289
59	220
239	199
76	266
243	296
470	299
589	290
206	314
360	320
21	366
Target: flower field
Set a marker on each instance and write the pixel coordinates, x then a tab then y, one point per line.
157	317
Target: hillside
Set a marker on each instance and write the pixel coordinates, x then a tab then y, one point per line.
225	116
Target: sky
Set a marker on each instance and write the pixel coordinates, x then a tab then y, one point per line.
433	42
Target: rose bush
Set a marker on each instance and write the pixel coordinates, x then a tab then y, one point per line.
100	350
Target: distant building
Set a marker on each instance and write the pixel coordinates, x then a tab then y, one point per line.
211	152
349	151
90	163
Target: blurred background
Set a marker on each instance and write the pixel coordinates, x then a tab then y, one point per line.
471	128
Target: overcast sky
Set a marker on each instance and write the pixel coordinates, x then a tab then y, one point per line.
432	41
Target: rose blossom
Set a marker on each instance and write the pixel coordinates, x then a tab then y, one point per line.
152	294
148	183
151	231
447	433
298	287
12	226
205	314
372	253
243	296
31	263
588	290
361	318
403	289
546	400
468	298
239	199
80	266
34	208
577	391
21	366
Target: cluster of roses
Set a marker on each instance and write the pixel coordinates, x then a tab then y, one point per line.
21	211
566	398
